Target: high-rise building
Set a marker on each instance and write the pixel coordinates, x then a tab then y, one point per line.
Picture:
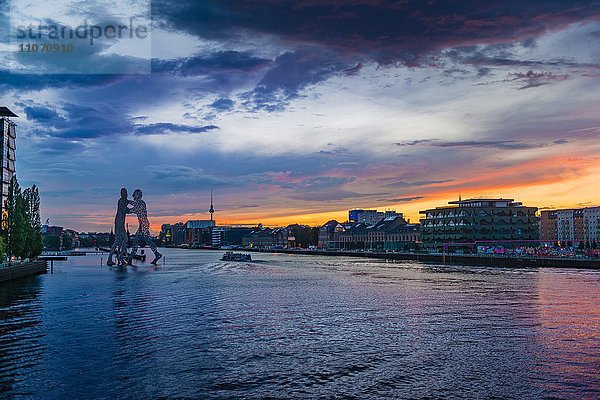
472	220
7	152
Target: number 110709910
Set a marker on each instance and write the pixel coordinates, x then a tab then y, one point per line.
45	48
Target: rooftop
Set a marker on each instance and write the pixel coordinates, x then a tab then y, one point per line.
5	112
468	201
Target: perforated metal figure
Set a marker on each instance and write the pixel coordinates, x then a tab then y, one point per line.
143	232
119	247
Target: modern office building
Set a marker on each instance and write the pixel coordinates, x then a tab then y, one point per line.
7	153
473	220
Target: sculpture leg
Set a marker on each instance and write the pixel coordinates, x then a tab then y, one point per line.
134	247
113	249
123	249
152	245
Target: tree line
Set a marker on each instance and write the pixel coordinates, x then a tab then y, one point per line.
21	235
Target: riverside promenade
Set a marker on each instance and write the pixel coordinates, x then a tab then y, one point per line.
457	259
18	269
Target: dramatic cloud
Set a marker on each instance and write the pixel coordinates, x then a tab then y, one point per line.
295	111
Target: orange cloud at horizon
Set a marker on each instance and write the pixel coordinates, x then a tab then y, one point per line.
551	182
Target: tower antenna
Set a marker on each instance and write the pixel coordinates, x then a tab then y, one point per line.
211	210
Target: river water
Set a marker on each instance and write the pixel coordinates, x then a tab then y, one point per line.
291	326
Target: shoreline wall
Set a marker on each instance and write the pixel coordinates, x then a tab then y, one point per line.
10	272
490	261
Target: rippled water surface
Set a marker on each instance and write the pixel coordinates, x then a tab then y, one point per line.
299	327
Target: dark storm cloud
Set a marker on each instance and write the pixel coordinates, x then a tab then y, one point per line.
85	122
23	82
290	73
78	122
42	114
329	37
384	31
221	61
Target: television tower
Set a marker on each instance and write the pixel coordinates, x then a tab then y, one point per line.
211	210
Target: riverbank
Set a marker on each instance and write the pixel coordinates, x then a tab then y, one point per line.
14	270
462	259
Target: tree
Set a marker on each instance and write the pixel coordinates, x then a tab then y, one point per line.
34	234
21	222
581	246
2	248
51	242
67	242
16	220
594	244
21	228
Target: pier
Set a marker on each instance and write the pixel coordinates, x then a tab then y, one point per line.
457	259
16	269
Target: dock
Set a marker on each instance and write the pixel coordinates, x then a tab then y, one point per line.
453	259
16	269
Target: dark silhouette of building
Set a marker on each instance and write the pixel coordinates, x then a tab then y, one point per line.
7	153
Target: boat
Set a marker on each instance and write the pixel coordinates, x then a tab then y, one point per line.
231	256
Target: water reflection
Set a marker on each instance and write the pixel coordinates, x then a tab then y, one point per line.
569	330
21	333
301	327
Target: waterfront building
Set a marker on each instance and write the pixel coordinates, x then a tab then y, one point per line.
329	235
290	236
261	238
51	230
370	217
472	220
548	227
569	224
166	234
7	153
389	234
574	226
217	236
173	235
591	224
198	232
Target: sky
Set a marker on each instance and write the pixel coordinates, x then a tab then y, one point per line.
297	111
